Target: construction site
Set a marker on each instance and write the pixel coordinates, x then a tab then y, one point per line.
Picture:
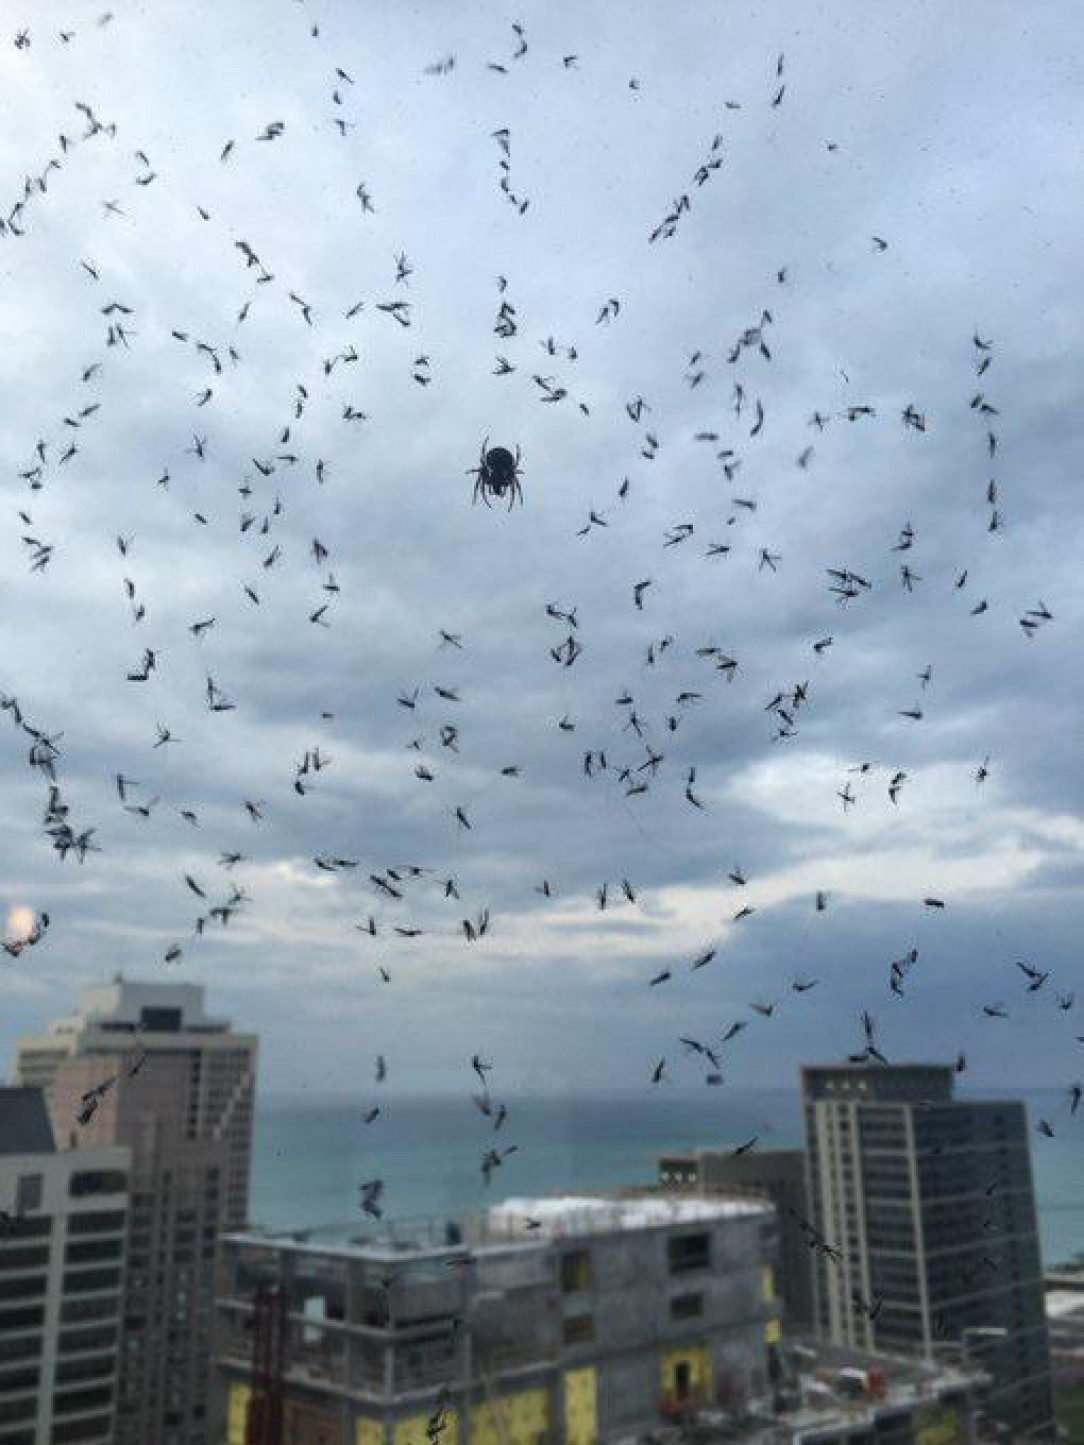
576	1319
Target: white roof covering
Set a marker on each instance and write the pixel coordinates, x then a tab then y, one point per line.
591	1214
1062	1302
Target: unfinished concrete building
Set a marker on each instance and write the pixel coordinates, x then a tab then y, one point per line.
775	1174
575	1319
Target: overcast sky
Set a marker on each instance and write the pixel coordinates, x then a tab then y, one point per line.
950	132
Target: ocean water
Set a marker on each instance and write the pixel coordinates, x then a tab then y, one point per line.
310	1156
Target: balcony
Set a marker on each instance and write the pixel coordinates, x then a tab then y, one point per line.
417	1369
505	1356
422	1300
321	1369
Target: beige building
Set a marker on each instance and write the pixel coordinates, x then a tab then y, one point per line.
142	1065
62	1231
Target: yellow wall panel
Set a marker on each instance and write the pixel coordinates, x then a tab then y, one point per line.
697	1359
415	1431
523	1417
482	1429
307	1424
938	1425
237	1413
581	1407
368	1432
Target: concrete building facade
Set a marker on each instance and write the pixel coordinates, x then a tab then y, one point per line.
176	1086
63	1220
779	1176
579	1319
924	1213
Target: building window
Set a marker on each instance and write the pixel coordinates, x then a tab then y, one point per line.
24	1287
97	1181
72	1311
30	1258
686	1306
29	1318
20	1380
575	1271
90	1279
579	1329
97	1221
89	1429
68	1404
72	1341
160	1020
27	1228
28	1194
688	1252
18	1409
97	1367
20	1348
85	1250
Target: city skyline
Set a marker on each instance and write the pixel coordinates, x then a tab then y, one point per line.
898	1129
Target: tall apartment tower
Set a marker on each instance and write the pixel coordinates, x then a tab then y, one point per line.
181	1099
63	1216
927	1206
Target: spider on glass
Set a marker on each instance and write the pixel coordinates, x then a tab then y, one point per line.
497	475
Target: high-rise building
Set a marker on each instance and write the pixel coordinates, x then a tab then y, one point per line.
924	1218
778	1175
176	1087
575	1319
62	1229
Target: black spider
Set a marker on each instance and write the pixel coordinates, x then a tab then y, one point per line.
497	475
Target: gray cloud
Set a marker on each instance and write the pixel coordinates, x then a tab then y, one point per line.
955	129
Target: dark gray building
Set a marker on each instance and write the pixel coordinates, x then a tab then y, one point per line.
63	1220
924	1215
777	1174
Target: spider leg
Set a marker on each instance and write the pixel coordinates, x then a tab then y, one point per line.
485	493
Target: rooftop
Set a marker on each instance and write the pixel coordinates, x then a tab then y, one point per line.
24	1123
830	1397
881	1083
600	1214
517	1224
125	1005
1063	1302
766	1157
